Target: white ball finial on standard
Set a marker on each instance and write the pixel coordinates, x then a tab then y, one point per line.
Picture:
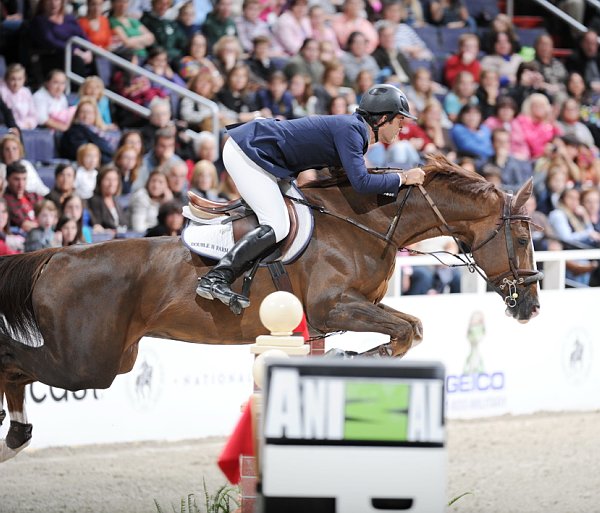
280	312
258	369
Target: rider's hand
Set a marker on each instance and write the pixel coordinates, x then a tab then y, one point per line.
413	176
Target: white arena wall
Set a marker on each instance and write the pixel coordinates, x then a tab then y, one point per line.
180	390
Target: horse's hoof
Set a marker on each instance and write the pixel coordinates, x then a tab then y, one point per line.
340	353
6	453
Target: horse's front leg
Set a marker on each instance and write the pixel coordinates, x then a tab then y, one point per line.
356	313
19	432
416	323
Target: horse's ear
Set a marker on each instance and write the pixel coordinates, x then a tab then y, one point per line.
523	195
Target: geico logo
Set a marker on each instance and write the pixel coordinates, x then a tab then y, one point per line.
40	393
474	382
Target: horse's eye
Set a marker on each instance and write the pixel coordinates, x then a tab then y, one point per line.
523	241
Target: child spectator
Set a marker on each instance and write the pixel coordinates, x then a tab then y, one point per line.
260	62
463	93
306	62
18	98
88	161
332	86
69	232
43	236
51	105
466	59
275	97
74	208
20	202
145	202
93	87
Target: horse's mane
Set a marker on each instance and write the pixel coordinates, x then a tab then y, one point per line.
437	165
18	275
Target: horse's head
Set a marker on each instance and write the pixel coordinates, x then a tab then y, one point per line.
504	250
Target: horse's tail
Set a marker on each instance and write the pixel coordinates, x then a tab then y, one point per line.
18	276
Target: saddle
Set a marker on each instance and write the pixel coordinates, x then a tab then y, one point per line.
213	227
242	218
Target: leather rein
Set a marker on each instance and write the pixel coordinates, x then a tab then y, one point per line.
502	284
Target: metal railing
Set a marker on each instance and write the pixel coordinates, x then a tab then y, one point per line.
510	9
555	263
138	70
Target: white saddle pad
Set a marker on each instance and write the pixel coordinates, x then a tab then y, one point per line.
212	238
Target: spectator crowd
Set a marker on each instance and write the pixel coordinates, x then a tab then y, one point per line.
509	110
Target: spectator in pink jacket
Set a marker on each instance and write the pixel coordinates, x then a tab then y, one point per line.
505	117
293	27
352	19
18	98
538	124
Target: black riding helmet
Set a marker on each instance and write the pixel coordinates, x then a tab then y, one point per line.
383	100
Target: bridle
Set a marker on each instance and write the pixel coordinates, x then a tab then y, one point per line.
502	283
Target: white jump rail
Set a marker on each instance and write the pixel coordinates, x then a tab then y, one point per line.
554	269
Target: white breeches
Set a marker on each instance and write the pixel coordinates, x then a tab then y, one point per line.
259	189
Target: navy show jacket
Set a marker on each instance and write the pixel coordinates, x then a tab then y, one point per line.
285	148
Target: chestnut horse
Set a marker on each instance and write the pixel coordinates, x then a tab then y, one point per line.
72	317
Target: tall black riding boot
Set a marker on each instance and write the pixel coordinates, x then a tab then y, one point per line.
216	284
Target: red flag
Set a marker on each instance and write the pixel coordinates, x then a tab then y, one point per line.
303	328
240	443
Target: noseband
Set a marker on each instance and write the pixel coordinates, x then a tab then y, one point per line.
502	284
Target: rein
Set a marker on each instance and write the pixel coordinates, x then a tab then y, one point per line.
498	283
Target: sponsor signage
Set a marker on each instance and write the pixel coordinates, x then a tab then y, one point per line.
329	423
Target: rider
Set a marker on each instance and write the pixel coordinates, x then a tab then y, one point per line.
260	153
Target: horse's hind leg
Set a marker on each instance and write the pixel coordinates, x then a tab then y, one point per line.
19	432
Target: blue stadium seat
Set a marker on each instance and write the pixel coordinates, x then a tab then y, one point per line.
39	144
449	38
483	11
527	37
431	37
46	173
